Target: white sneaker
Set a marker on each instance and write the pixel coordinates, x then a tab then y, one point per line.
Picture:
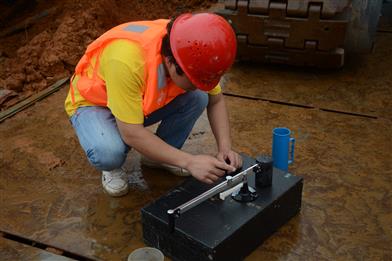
115	182
172	169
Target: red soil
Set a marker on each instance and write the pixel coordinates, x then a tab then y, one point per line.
41	41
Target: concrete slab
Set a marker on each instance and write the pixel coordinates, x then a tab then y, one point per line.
11	250
346	165
50	194
363	86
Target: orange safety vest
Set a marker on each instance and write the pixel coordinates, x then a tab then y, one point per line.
157	91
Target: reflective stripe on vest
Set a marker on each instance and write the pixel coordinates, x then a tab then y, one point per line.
157	91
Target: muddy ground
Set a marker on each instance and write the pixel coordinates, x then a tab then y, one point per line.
51	200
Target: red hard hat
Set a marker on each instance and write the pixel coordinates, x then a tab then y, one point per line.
204	45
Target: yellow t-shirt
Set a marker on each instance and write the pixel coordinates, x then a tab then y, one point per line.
122	68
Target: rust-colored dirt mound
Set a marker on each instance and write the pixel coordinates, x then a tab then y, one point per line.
41	41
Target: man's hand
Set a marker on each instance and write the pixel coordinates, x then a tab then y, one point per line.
207	168
219	121
231	157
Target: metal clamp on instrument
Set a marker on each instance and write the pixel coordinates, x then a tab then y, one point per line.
245	193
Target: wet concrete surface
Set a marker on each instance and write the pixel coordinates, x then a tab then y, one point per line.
363	86
346	165
51	195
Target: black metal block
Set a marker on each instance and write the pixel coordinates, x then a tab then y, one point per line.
221	229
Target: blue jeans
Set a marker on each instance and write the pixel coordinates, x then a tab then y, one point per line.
100	138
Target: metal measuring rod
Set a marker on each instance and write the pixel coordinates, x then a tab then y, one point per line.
230	182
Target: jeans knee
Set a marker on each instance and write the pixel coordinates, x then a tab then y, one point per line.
106	157
199	100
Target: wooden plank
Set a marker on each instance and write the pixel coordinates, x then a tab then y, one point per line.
32	99
12	250
23	25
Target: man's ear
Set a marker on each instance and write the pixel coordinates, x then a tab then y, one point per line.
167	60
168	64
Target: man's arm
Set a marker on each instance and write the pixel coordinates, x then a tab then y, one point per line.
219	121
123	65
204	168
